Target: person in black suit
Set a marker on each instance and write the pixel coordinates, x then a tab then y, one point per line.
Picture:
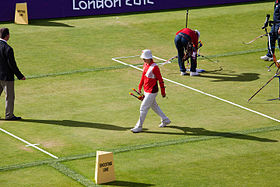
8	68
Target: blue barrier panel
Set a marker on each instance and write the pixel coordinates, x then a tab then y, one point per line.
42	9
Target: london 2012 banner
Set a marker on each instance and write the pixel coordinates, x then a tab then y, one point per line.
43	9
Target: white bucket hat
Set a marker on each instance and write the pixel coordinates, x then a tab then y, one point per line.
146	54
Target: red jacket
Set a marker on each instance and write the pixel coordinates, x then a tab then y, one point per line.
192	34
151	74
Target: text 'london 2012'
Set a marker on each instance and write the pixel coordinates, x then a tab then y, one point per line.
101	4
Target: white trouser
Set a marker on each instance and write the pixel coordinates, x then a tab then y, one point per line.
149	102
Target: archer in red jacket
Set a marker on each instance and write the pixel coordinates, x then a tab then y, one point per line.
150	76
187	40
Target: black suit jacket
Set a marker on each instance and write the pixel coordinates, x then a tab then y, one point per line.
8	65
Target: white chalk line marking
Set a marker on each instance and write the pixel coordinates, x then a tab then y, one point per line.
32	144
29	144
199	91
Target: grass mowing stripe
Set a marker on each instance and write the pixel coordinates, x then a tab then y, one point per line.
72	174
125	66
26	165
75	71
204	93
211	136
235	53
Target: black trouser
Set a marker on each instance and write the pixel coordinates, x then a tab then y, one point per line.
273	35
181	42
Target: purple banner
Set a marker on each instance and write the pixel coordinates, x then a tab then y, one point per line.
42	9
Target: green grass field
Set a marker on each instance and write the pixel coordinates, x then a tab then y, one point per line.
75	101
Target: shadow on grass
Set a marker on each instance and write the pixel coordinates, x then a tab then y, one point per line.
186	130
126	183
71	123
244	77
204	132
48	23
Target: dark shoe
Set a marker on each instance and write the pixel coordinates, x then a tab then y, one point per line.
14	118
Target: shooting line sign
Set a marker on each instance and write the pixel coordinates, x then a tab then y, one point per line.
21	16
104	169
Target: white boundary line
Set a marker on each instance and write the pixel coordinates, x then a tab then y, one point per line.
127	57
29	144
158	58
199	91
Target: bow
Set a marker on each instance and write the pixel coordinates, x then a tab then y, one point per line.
277	73
275	62
254	39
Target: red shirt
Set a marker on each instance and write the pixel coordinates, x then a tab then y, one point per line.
191	33
151	74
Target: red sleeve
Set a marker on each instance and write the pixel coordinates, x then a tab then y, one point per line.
157	73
